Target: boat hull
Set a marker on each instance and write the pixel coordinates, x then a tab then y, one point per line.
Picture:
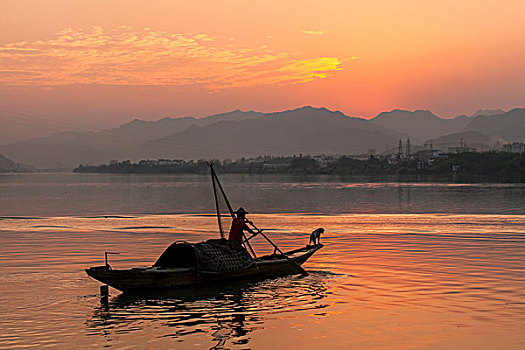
152	280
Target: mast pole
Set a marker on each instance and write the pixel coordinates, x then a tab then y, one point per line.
216	201
232	213
223	193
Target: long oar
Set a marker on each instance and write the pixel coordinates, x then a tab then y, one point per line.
293	263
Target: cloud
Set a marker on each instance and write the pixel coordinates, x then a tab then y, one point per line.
125	56
17	72
307	70
313	32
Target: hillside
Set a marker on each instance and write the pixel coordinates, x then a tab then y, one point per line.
149	130
509	125
470	139
305	130
419	125
7	165
71	148
236	134
488	112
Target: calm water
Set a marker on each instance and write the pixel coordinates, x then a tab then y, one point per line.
405	265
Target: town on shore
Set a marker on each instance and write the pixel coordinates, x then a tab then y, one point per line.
460	165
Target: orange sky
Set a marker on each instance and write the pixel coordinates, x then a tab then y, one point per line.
104	62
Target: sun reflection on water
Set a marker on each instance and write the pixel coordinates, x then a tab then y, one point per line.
381	281
223	313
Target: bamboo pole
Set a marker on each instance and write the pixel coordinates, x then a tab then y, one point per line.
296	265
232	213
216	201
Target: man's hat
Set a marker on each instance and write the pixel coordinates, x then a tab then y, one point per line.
241	211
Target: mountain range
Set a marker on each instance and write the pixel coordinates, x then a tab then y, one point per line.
420	125
7	165
236	134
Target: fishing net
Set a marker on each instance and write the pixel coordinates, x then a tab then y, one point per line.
220	255
214	255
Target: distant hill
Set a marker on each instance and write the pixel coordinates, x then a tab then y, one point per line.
471	139
305	130
509	125
62	150
488	112
148	130
420	125
71	148
7	165
236	134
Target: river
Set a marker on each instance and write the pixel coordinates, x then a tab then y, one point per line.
405	265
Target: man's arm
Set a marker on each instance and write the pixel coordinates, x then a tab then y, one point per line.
246	227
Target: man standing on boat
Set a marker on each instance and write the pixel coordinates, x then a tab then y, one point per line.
239	225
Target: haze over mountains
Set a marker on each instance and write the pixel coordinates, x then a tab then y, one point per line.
509	126
236	134
420	125
7	165
305	130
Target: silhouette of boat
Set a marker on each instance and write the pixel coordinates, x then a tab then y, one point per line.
157	278
185	264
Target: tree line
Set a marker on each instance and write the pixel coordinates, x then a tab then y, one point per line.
467	166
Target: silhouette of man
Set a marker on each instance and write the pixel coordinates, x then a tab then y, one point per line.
239	225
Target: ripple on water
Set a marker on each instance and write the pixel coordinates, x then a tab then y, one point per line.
238	309
379	277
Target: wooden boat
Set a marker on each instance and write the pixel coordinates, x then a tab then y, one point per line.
184	264
151	279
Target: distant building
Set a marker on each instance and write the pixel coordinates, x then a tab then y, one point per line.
275	165
515	147
427	157
460	149
393	159
423	154
321	160
400	149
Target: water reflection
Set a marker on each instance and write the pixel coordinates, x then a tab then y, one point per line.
114	195
219	314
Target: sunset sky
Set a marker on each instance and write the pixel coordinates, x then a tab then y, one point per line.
93	64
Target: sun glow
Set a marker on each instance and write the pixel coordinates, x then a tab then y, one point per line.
358	57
